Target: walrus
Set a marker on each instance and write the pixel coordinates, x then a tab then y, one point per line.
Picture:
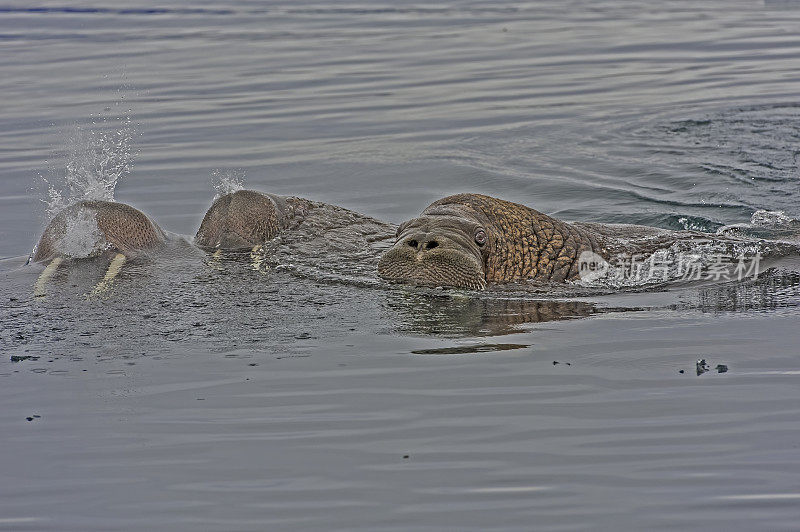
469	240
294	233
91	228
461	241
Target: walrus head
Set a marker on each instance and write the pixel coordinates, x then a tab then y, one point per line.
89	228
439	248
242	220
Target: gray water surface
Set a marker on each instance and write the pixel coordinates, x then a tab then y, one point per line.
204	393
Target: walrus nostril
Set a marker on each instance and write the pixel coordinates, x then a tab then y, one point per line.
412	243
432	244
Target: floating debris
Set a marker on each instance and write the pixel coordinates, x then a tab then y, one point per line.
703	367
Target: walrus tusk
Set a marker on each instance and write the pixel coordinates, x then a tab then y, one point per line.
38	286
113	270
215	259
256	257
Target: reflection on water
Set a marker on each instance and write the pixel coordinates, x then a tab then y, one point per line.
188	297
469	349
447	314
775	289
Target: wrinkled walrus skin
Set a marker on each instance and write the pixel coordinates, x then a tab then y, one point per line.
246	218
469	240
121	228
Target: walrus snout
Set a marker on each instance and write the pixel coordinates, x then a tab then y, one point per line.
422	243
434	252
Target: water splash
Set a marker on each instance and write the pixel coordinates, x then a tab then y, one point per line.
96	157
773	219
227	181
82	237
693	224
768	225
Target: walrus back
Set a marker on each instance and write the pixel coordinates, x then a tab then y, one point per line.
526	244
246	218
119	227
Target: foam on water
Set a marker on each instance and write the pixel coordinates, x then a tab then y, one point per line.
776	219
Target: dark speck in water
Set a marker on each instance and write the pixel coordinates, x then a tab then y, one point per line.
20	358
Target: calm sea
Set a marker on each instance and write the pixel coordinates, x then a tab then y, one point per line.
199	396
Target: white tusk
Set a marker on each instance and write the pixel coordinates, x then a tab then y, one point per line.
38	286
112	272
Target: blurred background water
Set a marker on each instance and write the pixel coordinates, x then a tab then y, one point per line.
678	115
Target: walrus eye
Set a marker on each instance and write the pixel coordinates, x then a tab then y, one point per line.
480	237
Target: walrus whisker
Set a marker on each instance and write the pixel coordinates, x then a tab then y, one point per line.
50	269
